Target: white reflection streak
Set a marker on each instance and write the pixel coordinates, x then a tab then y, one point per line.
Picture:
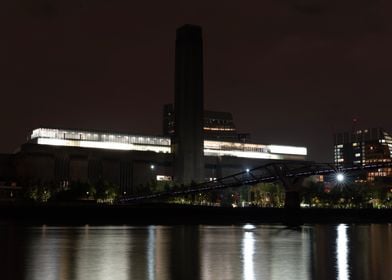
248	244
151	253
44	261
342	252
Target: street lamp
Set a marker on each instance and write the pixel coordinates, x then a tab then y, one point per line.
340	177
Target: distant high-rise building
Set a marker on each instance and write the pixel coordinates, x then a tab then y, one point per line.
363	147
188	139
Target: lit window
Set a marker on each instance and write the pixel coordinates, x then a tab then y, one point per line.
163	178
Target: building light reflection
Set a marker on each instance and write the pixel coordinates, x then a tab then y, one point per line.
342	252
151	253
248	244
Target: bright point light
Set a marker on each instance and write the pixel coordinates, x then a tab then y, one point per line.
152	166
340	177
247	170
249	227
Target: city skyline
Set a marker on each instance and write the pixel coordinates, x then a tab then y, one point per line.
290	73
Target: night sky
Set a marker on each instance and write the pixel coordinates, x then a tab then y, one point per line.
291	71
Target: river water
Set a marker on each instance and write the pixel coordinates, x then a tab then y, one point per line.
196	252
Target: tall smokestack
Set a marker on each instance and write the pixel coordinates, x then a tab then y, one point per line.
188	142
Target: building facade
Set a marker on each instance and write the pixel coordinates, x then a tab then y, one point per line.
62	156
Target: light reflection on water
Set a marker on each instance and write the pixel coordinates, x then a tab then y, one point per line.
342	252
248	251
196	252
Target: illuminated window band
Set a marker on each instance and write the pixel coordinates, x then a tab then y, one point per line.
102	145
219	128
86	139
110	141
248	150
388	142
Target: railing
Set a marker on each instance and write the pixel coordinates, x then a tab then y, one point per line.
271	172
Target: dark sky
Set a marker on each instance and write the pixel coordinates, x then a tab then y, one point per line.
291	71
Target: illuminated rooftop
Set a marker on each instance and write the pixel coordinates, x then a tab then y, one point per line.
129	142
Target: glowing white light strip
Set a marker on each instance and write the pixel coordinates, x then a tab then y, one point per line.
103	145
233	145
288	150
218	129
209	152
342	252
84	139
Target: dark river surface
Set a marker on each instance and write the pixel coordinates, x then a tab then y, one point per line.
196	252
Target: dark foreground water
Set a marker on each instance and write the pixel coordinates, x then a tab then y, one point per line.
196	252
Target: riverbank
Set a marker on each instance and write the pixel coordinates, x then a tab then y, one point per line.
184	214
